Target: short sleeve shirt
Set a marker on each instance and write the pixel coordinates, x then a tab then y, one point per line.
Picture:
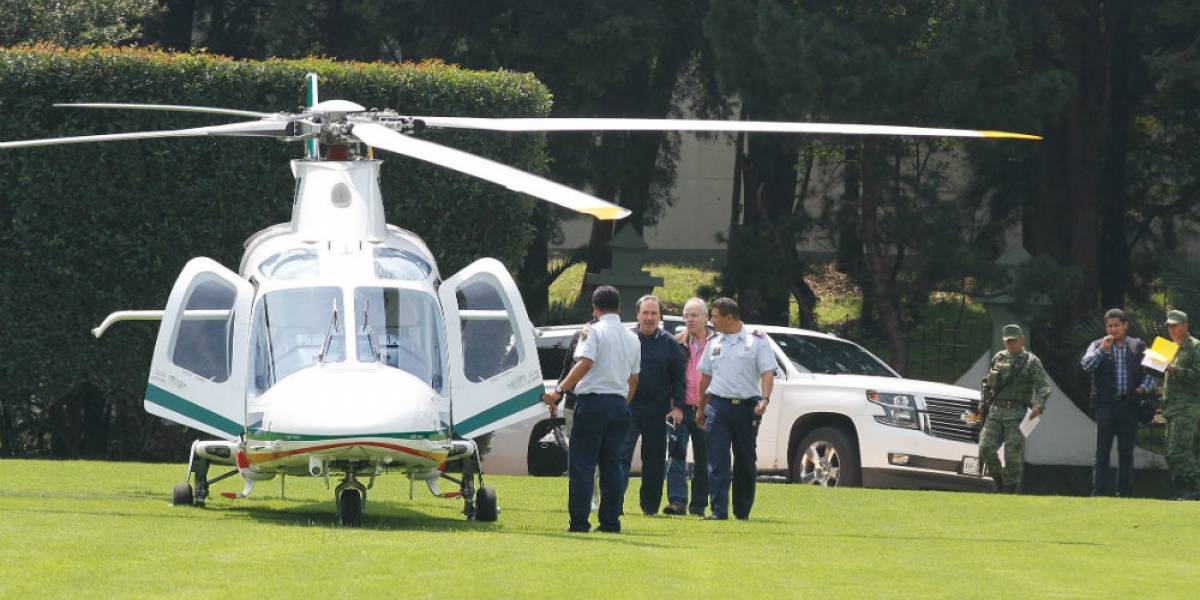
736	362
615	353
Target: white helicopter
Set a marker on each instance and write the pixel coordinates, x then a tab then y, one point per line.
338	349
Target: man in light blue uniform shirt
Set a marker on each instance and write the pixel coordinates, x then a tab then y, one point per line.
737	373
604	379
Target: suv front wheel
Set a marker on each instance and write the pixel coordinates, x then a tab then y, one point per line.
826	457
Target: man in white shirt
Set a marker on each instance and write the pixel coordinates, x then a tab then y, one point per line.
737	374
604	380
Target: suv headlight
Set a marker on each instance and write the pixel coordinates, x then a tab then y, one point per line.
899	410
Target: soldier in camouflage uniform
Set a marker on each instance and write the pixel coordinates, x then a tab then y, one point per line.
1181	406
1015	381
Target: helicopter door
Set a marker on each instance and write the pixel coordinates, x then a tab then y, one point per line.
198	375
495	379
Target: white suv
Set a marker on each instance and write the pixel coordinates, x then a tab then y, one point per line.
838	416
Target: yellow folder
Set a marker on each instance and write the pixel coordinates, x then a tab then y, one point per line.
1160	354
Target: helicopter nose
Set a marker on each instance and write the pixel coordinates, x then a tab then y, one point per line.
354	401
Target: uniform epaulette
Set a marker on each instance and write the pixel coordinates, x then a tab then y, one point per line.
758	333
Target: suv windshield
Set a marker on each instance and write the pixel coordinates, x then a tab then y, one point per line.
823	355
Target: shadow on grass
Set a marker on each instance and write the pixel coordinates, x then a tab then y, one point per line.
392	518
183	513
625	538
930	538
383	518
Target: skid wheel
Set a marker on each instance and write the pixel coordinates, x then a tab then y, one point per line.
486	509
182	494
350	508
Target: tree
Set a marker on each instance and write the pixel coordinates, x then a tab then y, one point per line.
97	22
902	222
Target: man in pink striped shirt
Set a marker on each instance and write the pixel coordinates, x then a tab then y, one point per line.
692	343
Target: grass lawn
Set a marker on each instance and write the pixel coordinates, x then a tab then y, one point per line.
679	283
95	529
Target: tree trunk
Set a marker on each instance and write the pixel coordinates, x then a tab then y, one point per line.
535	289
770	184
8	445
879	268
177	25
1114	247
331	35
95	425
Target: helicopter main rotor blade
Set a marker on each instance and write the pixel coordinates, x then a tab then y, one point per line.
233	112
265	128
591	124
381	137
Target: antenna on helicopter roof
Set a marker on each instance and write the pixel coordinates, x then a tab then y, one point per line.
310	99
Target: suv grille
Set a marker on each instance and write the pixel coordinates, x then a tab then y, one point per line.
945	419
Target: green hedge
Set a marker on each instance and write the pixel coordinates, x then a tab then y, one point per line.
89	229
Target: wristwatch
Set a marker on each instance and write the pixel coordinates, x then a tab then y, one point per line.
558	389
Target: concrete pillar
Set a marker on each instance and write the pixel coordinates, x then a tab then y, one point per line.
626	274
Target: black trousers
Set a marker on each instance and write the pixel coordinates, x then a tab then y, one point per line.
652	428
731	426
1115	419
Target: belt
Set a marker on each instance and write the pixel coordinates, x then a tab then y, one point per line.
595	394
1008	404
737	401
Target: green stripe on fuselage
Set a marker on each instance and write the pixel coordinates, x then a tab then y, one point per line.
191	410
504	409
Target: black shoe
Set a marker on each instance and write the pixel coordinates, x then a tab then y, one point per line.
699	512
574	530
715	518
673	508
746	518
603	529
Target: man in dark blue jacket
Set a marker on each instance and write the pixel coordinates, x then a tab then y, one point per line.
1118	383
661	395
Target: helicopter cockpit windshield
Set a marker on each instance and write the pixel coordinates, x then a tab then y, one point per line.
394	263
400	328
290	330
296	263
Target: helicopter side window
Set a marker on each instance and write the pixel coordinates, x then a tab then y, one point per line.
203	337
394	263
400	328
290	264
489	343
291	328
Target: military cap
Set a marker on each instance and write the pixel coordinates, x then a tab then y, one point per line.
1011	332
1176	316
